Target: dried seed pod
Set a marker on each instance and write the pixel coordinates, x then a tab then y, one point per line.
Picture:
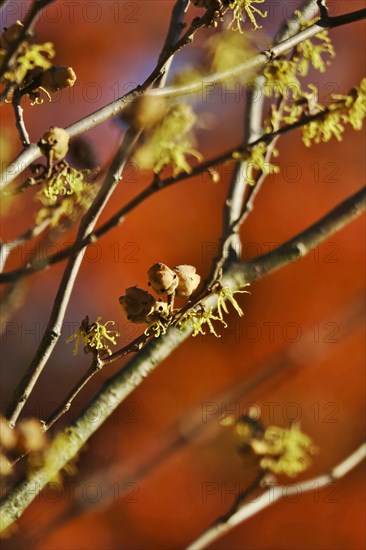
31	436
137	304
188	280
55	141
8	437
162	279
10	34
57	78
5	466
148	111
159	311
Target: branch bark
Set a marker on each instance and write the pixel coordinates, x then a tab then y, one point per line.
274	493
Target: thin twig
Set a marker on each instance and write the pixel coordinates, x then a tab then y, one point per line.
6	248
114	108
121	385
276	492
19	120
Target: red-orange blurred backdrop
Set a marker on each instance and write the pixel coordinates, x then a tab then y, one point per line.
306	317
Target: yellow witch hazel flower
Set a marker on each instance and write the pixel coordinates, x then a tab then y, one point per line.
284	451
35	56
330	125
255	161
242	9
157	328
67	181
171	140
281	451
95	337
355	102
197	319
281	76
225	294
311	51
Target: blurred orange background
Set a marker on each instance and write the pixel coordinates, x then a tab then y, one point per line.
147	479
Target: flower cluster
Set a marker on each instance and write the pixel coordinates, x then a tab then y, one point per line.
32	70
345	109
141	307
280	450
180	281
95	337
200	317
27	437
64	190
256	162
241	9
169	138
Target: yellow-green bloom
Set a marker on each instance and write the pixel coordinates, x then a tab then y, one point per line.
243	8
95	337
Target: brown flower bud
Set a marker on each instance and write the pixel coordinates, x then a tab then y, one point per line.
162	279
137	304
57	78
31	436
188	280
55	140
148	111
5	466
8	437
10	34
160	310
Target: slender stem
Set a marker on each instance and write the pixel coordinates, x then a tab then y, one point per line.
25	158
275	493
19	120
7	247
121	385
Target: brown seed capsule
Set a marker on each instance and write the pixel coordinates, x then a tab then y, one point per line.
137	304
148	111
10	34
8	437
5	466
57	78
188	280
31	436
162	279
55	140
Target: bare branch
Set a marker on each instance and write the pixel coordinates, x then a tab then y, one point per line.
275	493
19	120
